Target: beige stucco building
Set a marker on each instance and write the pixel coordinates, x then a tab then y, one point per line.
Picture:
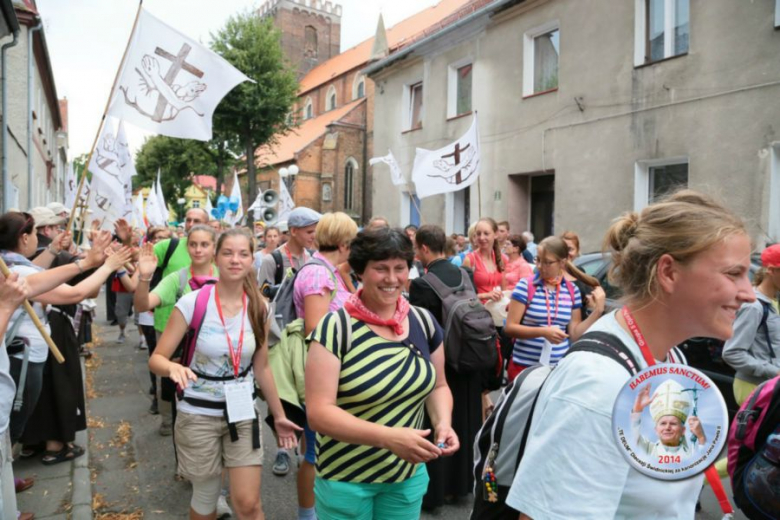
37	143
588	109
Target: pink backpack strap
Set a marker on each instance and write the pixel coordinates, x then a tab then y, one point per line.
198	315
531	289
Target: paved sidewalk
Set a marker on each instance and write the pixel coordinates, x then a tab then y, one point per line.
59	490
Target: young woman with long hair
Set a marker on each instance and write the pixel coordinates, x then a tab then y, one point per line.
587	284
231	354
487	261
544	324
682	265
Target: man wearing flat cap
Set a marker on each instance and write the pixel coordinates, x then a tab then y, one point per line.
302	223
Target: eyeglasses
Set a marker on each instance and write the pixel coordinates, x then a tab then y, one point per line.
546	263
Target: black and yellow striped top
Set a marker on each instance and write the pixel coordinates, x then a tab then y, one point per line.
381	381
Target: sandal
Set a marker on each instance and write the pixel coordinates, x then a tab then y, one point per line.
30	451
68	452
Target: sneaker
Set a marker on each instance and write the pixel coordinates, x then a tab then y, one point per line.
142	345
281	464
121	338
223	509
153	409
166	430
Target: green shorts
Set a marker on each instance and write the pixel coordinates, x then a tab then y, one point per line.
398	501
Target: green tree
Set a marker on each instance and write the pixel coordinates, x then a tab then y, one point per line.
256	112
177	160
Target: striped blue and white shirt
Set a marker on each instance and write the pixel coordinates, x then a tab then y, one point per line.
527	352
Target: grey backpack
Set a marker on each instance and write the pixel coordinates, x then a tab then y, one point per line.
470	337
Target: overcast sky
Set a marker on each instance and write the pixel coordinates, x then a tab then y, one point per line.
86	39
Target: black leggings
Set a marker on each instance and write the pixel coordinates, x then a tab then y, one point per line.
151	344
32	391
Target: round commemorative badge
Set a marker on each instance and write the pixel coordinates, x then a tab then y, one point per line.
670	421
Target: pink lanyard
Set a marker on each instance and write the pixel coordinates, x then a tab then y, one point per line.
235	355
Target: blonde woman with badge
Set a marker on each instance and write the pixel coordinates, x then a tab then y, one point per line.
670	408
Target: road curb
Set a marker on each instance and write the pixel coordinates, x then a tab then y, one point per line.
81	490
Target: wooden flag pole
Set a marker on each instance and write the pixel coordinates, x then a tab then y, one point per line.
103	118
416	206
38	325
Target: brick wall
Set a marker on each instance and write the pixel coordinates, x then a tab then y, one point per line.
292	22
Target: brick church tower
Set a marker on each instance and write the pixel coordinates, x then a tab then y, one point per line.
311	30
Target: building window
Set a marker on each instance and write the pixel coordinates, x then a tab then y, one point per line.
663	29
327	192
349	183
655	179
777	13
459	89
415	106
310	42
359	87
666	179
541	53
330	100
196	203
308	109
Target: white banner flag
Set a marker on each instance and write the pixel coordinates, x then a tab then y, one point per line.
396	174
452	168
71	186
106	205
209	207
138	212
154	209
162	204
106	164
235	210
286	204
257	206
170	84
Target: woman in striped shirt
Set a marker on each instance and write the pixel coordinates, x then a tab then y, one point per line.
371	366
543	324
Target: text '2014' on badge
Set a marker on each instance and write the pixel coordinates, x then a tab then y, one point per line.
670	421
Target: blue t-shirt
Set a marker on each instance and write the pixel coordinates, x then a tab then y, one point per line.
528	352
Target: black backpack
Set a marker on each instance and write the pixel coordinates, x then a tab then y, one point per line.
158	273
470	337
500	443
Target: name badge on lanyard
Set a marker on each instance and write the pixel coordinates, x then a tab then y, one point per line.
239	400
238	395
546	355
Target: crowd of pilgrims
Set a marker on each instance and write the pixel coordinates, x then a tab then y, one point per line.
384	427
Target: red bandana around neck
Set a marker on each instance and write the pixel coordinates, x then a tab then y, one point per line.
358	310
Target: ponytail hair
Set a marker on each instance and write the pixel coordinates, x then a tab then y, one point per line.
257	309
496	246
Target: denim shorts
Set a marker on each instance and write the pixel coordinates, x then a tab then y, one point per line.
310	455
397	501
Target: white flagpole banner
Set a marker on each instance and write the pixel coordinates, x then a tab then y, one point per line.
154	212
286	204
106	205
106	165
138	212
396	174
234	217
452	168
128	169
209	207
170	84
71	186
85	192
163	206
257	205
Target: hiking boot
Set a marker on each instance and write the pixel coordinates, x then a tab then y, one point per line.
281	464
223	509
153	409
166	429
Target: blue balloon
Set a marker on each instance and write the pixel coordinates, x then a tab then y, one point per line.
222	203
233	204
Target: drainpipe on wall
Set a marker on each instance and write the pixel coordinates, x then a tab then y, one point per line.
30	112
6	176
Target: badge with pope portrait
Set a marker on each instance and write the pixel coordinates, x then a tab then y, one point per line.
670	421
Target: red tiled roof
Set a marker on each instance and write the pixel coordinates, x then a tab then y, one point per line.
205	181
402	33
302	136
